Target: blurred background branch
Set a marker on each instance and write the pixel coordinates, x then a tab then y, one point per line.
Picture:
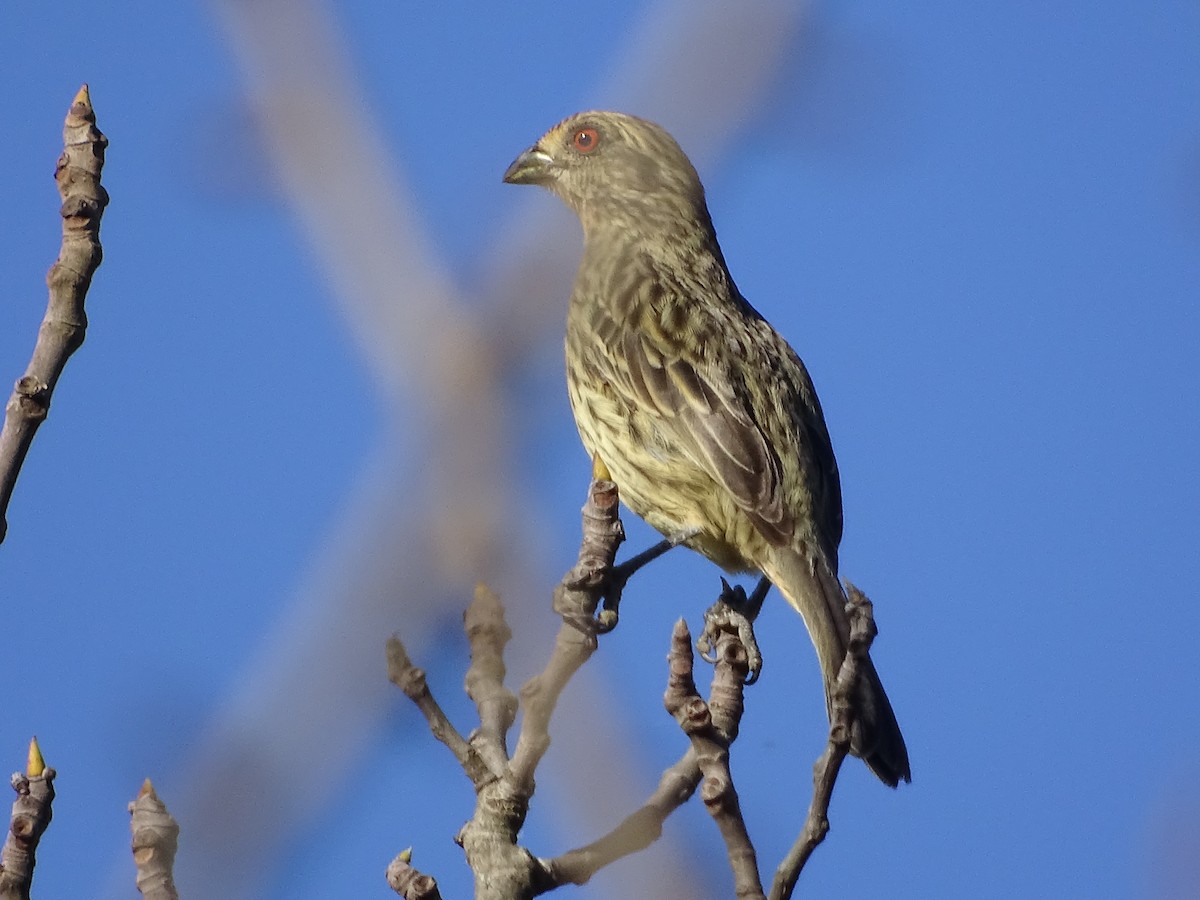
432	505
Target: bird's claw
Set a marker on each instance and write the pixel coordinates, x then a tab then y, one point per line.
734	612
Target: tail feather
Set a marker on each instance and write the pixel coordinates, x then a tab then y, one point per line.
813	589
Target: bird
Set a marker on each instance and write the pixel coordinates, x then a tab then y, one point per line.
703	414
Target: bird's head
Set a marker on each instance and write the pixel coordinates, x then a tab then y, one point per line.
608	166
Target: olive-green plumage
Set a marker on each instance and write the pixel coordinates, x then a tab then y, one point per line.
705	417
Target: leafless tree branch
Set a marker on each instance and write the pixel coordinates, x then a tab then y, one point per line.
31	814
575	599
155	840
488	633
711	745
411	680
679	782
504	870
65	322
637	831
408	882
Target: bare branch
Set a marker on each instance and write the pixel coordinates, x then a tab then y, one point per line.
488	633
31	814
155	840
825	772
503	869
411	680
679	782
711	746
575	599
638	830
408	882
63	327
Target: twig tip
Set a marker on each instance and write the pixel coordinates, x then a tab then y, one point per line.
35	764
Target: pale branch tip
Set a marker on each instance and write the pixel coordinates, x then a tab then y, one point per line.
409	882
155	843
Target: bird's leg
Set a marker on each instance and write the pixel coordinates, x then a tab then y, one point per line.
735	612
619	575
626	570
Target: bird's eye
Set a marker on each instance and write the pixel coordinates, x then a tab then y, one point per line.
585	140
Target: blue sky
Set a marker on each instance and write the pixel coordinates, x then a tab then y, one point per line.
979	224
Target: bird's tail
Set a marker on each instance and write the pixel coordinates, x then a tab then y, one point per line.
816	594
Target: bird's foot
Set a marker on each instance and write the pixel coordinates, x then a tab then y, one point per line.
619	575
735	612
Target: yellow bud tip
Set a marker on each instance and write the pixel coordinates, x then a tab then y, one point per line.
36	764
83	97
599	469
406	855
147	790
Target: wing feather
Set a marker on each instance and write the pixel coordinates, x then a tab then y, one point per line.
714	423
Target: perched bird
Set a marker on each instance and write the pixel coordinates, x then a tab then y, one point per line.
705	417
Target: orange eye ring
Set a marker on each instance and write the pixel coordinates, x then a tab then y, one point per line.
585	140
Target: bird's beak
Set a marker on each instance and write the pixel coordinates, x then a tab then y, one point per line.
534	166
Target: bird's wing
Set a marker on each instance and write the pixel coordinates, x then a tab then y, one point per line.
715	422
